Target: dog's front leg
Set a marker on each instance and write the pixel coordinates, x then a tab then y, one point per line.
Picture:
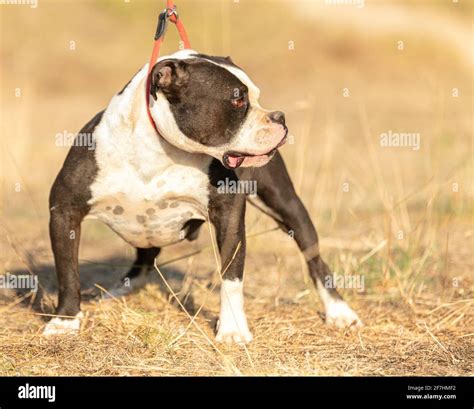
227	214
281	202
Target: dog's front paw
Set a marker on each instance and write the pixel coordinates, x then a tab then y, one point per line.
232	327
63	326
340	315
233	331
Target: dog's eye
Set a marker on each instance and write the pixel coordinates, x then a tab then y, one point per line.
238	102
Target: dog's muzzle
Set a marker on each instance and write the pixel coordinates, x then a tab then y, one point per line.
233	159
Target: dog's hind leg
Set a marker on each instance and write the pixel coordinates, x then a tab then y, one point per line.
68	204
65	231
276	191
137	275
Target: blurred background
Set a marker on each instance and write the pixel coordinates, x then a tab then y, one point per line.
344	74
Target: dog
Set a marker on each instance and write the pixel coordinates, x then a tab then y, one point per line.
155	190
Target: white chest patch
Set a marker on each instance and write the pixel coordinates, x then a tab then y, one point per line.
145	189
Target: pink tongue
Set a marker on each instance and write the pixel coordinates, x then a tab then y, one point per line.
234	161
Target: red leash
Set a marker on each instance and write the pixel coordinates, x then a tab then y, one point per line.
171	14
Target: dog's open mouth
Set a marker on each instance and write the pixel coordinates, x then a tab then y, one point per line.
232	160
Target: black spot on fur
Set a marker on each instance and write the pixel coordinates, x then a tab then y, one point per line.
118	210
162	205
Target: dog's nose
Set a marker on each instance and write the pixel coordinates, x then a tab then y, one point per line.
277	117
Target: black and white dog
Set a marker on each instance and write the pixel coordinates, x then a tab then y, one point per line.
158	190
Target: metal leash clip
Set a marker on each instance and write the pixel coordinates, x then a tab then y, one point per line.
165	15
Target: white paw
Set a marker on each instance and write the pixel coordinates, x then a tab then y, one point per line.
340	315
234	334
63	326
232	326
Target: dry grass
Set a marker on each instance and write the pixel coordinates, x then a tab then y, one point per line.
419	288
146	335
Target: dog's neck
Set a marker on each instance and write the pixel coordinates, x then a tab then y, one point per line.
127	120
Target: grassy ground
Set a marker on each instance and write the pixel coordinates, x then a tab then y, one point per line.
399	217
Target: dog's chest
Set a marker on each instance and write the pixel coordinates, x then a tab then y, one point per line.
155	217
145	191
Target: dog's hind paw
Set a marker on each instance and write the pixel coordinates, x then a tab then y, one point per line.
117	292
63	326
125	287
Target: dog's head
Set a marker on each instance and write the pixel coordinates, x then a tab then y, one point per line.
208	105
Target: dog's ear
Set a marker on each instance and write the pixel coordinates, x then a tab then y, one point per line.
168	76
